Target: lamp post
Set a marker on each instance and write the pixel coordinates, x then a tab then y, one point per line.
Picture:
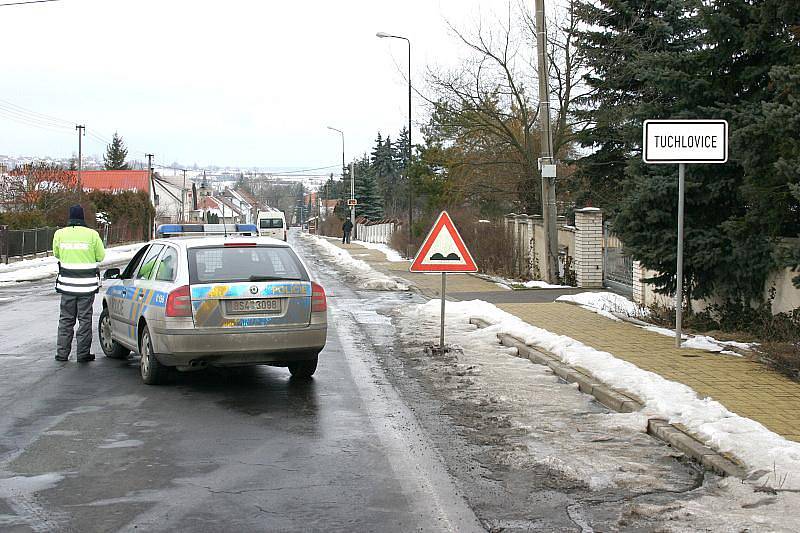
352	179
383	35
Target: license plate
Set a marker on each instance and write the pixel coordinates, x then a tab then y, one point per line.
259	305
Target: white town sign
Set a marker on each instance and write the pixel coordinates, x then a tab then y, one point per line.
685	141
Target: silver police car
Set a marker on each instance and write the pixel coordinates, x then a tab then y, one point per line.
214	295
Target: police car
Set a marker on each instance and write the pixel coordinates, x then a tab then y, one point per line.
213	295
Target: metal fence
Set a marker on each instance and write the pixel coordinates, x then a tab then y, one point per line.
380	231
22	242
25	242
617	264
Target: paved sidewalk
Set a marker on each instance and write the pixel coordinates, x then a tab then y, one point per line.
747	388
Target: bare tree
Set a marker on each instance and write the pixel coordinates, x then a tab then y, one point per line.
484	109
36	186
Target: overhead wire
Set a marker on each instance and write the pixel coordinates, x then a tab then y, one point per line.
43	121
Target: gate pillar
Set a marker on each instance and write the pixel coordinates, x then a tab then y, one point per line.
589	247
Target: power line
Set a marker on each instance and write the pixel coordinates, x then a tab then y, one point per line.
28	2
304	170
21	111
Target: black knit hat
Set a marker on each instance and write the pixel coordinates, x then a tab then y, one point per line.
76	215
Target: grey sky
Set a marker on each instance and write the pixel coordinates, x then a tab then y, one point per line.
227	82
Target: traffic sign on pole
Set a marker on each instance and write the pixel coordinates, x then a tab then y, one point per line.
683	142
352	202
443	251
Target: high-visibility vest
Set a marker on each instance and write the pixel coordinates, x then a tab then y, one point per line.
79	251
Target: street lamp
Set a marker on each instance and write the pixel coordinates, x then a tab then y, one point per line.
352	179
383	35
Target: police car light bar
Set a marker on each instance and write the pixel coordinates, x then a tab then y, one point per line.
199	230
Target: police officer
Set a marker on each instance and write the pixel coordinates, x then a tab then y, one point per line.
79	251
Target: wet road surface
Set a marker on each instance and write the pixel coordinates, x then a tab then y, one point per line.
384	438
90	448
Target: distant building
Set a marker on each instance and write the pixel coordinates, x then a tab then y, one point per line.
114	181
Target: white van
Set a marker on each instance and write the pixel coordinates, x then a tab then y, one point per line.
272	224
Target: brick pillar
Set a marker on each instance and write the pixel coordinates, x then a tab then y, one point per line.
589	247
638	286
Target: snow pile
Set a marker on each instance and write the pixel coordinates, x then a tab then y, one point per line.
705	342
760	449
605	303
47	267
391	254
368	277
511	284
612	305
538	284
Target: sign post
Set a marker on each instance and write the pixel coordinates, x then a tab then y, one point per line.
683	142
443	251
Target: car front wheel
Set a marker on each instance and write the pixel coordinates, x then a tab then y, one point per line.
110	347
153	372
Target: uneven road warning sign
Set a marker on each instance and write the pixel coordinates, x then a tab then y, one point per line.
443	250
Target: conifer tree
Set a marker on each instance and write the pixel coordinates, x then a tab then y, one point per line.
115	155
688	59
369	200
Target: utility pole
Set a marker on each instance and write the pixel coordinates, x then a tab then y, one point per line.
152	188
183	198
547	163
353	197
80	128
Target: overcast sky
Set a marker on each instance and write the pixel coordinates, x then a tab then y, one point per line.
229	82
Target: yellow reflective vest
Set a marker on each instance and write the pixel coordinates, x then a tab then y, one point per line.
79	251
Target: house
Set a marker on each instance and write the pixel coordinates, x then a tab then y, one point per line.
114	181
173	198
213	209
247	208
327	208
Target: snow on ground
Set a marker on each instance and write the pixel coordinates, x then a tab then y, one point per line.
391	254
565	435
340	259
759	448
705	342
512	284
47	267
538	284
611	305
605	303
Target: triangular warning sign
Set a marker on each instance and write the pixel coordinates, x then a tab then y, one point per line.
443	250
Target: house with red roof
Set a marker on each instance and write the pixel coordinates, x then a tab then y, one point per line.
114	180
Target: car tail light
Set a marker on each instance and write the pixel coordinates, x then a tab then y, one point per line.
179	302
319	303
239	244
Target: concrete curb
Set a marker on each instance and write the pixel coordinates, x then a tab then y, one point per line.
674	435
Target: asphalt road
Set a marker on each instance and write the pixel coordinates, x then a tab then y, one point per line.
384	438
90	448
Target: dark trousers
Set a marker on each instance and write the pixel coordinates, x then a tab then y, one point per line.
346	237
72	308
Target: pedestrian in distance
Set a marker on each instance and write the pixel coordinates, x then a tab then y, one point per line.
347	228
79	250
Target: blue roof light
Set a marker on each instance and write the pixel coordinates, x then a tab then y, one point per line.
173	230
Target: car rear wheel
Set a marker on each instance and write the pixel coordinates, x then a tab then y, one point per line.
303	369
153	372
110	347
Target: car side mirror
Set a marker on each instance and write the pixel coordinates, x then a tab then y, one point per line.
112	273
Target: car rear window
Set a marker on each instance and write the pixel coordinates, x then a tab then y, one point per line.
233	263
270	223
